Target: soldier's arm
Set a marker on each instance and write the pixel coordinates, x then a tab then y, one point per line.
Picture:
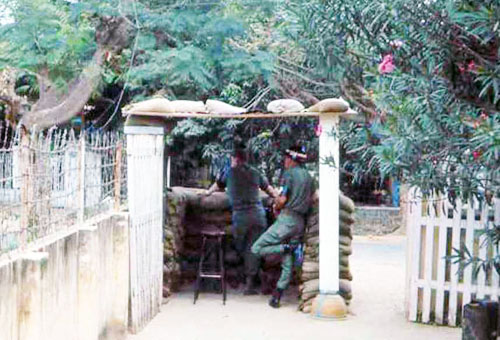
271	191
214	187
280	202
219	184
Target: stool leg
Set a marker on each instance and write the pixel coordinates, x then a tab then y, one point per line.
198	276
222	269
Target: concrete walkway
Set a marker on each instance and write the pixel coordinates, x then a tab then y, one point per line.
377	310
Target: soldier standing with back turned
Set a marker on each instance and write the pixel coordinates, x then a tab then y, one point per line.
248	215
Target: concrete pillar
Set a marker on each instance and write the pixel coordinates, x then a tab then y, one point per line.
88	294
329	205
329	304
30	296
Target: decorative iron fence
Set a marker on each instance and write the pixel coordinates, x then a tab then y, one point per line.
54	179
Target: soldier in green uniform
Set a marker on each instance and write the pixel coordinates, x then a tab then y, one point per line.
248	216
285	234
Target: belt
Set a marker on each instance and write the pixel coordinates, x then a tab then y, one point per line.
248	206
292	213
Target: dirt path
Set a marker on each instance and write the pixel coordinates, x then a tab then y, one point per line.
377	310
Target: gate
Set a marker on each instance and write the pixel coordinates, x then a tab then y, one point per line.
145	148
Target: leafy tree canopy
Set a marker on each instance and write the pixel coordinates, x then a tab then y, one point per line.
425	74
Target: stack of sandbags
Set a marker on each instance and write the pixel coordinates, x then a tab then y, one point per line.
173	239
189	211
309	287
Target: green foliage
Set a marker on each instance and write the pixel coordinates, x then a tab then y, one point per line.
434	120
44	36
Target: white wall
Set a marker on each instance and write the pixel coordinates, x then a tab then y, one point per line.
75	286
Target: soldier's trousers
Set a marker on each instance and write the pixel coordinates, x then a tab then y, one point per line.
248	224
289	227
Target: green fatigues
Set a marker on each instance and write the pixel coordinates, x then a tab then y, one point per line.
289	227
249	218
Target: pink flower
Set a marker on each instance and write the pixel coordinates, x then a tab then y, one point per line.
387	64
476	154
461	68
318	130
471	66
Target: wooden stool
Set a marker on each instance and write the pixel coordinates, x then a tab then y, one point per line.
213	240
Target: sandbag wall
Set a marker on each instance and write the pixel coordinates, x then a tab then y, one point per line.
187	213
309	275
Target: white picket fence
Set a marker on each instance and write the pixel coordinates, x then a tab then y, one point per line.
145	147
437	287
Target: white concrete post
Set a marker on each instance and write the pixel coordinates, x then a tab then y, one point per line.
329	204
329	304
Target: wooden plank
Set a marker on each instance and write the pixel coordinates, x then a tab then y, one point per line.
441	262
495	280
144	130
483	251
224	116
414	220
455	244
468	225
132	176
429	246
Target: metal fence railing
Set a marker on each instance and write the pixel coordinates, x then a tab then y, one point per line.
54	179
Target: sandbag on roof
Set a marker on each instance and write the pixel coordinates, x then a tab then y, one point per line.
285	105
188	106
216	106
330	105
151	105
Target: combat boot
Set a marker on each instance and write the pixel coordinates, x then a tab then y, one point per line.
275	298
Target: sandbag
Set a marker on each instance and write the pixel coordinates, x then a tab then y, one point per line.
312	241
345	240
307	276
344	261
346	276
151	105
218	107
310	286
309	295
346	204
188	106
310	267
285	105
345	230
330	105
345	250
346	217
344	269
345	286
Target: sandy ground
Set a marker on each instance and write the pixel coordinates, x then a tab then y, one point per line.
377	310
